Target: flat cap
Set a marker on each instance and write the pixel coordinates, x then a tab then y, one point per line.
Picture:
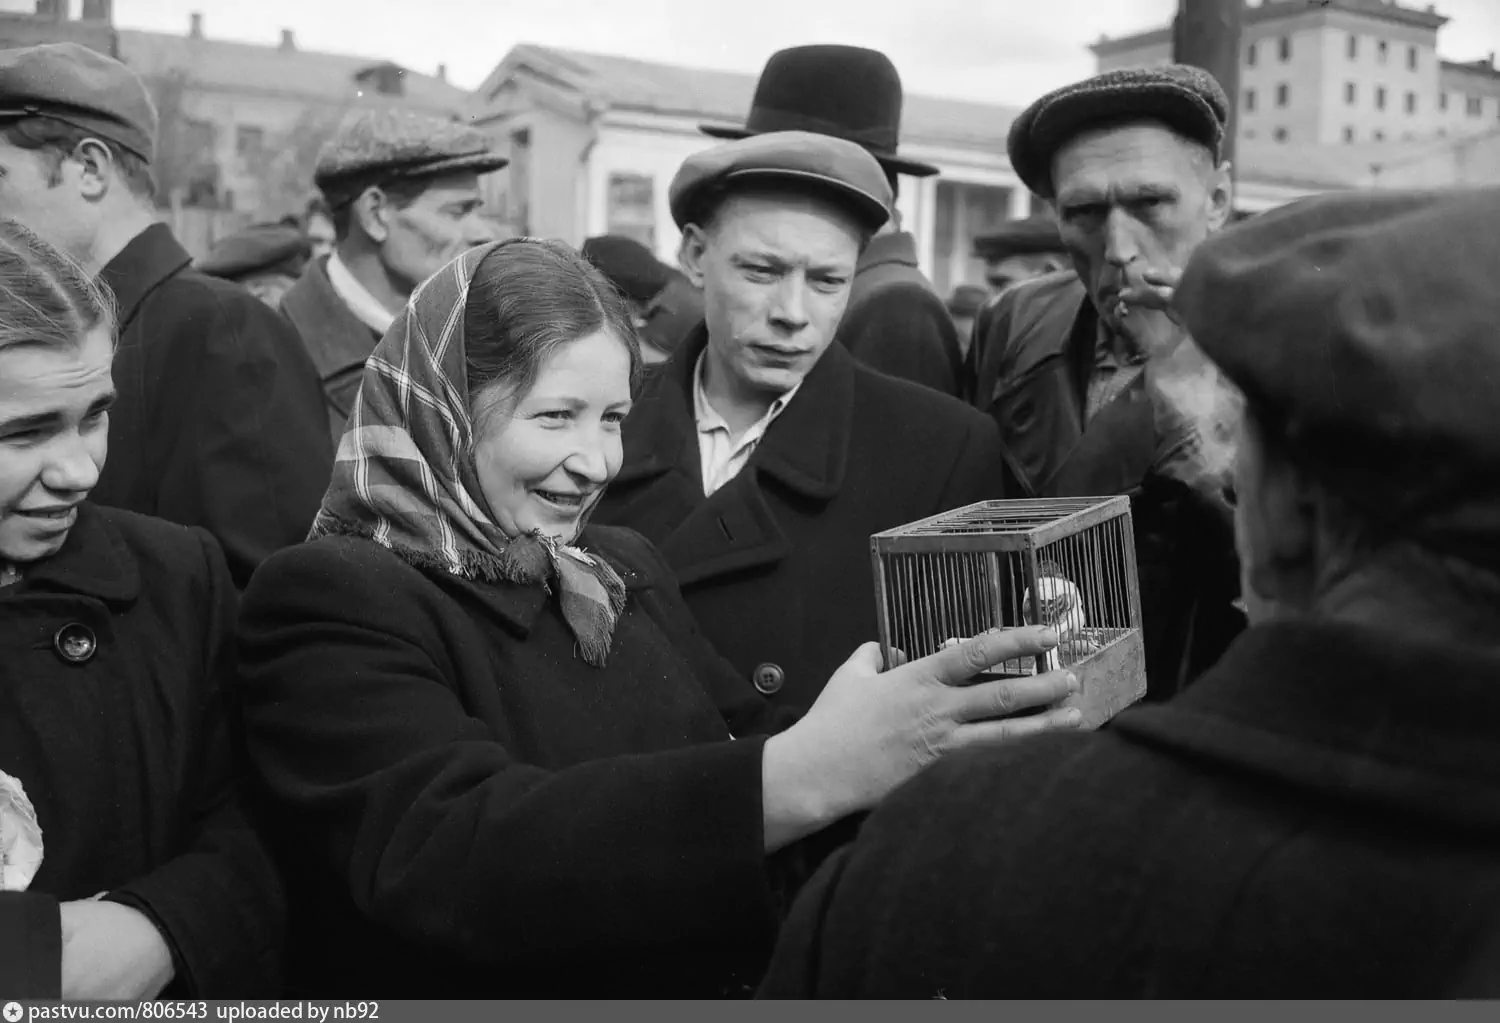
259	248
81	87
967	300
375	145
631	267
1361	329
843	170
1035	234
1185	98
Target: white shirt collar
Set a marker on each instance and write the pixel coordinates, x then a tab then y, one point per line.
708	418
365	306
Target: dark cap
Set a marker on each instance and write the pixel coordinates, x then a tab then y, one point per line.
371	146
630	266
260	248
843	170
967	300
80	87
1361	328
1186	99
1035	235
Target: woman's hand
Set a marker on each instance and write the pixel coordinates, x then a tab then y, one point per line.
871	730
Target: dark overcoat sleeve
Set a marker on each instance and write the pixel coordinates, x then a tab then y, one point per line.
30	946
979	471
904	330
219	903
253	460
444	836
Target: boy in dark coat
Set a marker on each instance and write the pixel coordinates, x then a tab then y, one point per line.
1319	816
219	420
764	456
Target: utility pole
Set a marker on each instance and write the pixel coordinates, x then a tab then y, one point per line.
1206	34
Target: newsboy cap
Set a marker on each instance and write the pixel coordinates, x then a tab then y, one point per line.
80	87
631	267
1361	328
259	248
1187	99
838	168
1037	234
376	145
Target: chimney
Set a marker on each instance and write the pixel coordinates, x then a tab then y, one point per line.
288	40
195	25
98	10
442	72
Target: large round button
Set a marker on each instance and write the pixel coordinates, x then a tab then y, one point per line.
769	678
75	643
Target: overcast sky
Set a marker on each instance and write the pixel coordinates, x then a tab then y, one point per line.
1001	51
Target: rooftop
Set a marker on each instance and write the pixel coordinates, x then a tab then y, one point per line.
1277	10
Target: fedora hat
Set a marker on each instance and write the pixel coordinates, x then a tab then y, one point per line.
848	92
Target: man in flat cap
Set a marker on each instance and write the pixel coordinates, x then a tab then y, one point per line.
1319	816
896	321
403	189
666	307
1131	161
1018	251
265	259
218	422
764	455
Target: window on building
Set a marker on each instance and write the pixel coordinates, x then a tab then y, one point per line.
1411	58
1249	101
1250	55
1348	134
1474	105
1284	48
1411	103
1442	101
249	139
1351	93
1283	94
1351	47
518	209
1379	97
1280	134
1382	51
1379	136
631	208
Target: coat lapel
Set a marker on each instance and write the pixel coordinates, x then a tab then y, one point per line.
338	341
151	257
804	452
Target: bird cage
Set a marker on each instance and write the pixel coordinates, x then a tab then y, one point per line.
1068	563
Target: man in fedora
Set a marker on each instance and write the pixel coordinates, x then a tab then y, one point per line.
1132	162
896	321
762	455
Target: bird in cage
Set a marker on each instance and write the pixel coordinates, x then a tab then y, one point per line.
1061	606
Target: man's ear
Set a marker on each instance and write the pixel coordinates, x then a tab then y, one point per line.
371	211
690	253
1220	196
97	170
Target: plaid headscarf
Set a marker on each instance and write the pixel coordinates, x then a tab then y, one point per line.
402	478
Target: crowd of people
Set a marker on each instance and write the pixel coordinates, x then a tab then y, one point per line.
390	610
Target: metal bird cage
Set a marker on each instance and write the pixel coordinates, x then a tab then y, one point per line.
1068	563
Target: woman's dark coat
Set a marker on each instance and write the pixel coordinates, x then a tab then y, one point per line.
776	564
1038	343
127	756
1317	817
469	810
219	422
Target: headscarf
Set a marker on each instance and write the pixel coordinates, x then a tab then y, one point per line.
403	478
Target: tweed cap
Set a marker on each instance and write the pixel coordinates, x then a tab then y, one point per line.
631	267
259	248
81	87
1362	329
1036	234
375	145
841	169
1185	98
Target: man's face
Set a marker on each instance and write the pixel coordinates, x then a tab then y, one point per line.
54	426
321	234
775	272
1002	273
1131	198
55	210
439	224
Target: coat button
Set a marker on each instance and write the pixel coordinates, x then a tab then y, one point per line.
75	643
769	678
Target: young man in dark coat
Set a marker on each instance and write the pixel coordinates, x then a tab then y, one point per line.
403	189
1319	816
1131	159
127	868
218	418
896	321
764	456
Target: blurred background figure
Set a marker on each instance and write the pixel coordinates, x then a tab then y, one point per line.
1021	250
965	305
664	305
266	259
317	224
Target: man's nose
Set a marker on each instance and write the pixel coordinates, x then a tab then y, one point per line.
1120	246
790	311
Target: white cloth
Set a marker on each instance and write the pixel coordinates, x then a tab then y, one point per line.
365	306
724	456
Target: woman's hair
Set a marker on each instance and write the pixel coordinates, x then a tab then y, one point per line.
46	298
528	298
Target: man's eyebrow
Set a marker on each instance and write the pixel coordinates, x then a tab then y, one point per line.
32	422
